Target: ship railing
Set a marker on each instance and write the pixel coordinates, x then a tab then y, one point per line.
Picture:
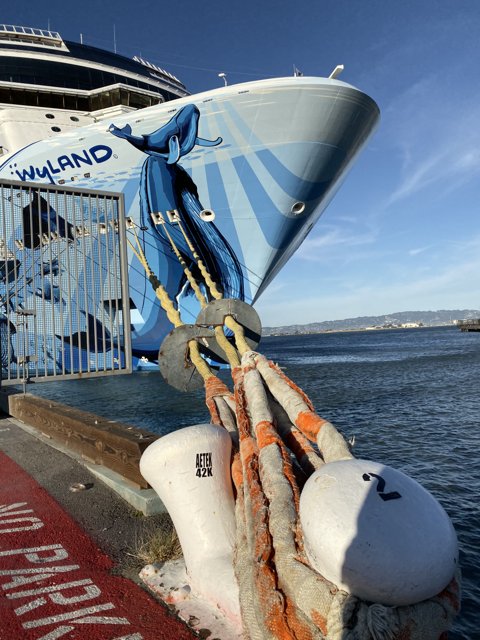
154	67
30	35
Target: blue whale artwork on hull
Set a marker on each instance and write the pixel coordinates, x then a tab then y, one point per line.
165	186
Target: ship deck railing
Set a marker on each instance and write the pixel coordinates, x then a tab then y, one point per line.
30	35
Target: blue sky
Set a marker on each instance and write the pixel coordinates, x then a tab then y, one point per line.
403	232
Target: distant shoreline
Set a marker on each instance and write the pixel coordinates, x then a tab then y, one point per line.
412	319
357	330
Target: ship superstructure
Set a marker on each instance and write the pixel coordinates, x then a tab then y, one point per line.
49	86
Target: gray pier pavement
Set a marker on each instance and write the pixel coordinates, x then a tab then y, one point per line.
111	522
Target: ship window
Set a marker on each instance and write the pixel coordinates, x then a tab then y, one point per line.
59	100
74	118
47	100
114	97
30	98
94	103
138	101
83	103
17	96
56	129
105	100
61	74
124	97
71	102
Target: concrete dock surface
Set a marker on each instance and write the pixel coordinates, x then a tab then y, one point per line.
46	526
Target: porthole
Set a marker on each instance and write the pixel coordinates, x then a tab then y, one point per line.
56	129
74	119
298	208
207	215
50	116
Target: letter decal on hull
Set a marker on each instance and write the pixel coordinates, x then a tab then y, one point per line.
97	154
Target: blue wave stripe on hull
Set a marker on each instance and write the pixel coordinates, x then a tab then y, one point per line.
289	182
278	237
218	195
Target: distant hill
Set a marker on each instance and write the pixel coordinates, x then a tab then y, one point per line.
442	317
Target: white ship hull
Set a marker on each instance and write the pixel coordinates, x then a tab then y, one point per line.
266	159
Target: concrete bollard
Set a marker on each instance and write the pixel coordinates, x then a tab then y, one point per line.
190	471
376	533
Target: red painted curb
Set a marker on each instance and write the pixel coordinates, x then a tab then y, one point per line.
55	582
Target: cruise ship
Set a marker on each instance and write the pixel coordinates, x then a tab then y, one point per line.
249	168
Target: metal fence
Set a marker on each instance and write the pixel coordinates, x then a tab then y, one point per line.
64	309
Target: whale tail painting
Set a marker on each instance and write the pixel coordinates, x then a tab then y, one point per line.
165	186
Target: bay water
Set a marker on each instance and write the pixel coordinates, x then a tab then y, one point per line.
409	397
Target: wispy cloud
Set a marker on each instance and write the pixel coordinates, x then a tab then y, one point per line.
453	162
437	135
416	252
449	284
338	239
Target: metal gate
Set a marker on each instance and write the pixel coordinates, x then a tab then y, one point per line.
64	309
